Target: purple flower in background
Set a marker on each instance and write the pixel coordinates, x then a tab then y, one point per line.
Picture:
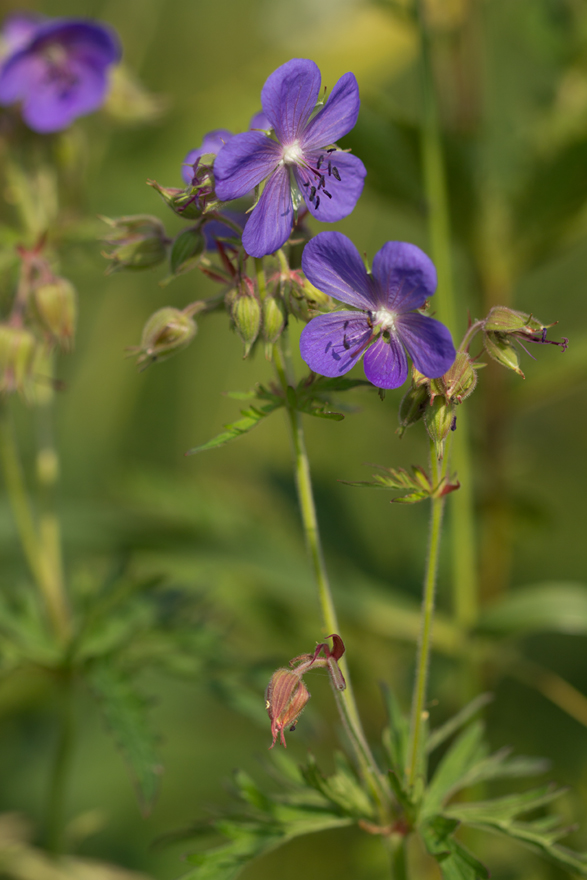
388	322
59	69
300	164
17	30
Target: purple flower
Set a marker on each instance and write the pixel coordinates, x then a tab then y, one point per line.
211	145
299	164
387	322
58	71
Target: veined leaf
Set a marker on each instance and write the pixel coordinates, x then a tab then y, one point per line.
125	713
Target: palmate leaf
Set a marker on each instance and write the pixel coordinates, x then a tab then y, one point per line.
501	816
272	821
125	714
456	863
251	418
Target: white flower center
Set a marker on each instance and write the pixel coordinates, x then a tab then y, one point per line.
292	154
385	319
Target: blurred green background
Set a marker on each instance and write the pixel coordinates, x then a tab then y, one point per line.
224	525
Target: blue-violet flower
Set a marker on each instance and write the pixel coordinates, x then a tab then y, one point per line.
300	162
58	70
387	322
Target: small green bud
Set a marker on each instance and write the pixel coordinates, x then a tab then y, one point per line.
502	351
245	311
166	332
439	418
186	251
412	407
56	306
138	242
17	353
459	381
273	318
503	320
183	202
306	300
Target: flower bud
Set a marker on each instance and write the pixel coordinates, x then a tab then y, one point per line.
285	697
186	251
166	332
501	350
412	407
245	310
183	202
17	353
503	320
459	381
138	242
439	418
273	318
56	306
305	300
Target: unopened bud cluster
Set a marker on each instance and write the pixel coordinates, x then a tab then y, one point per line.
504	326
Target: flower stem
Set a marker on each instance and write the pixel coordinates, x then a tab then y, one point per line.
32	544
60	770
345	699
425	641
464	567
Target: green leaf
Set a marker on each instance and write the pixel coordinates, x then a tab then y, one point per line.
342	789
467	750
503	810
455	862
125	713
396	735
186	251
441	734
251	418
549	607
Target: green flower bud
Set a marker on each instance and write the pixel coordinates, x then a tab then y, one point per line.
439	418
273	318
183	202
501	350
186	251
17	353
245	311
459	381
166	332
503	320
56	306
138	242
305	300
412	407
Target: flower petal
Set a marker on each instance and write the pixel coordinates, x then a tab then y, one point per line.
260	121
386	364
332	344
52	105
211	144
332	263
270	224
336	118
243	162
406	274
84	39
289	96
428	342
337	197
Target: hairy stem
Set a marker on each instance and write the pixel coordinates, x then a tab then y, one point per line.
425	640
464	567
345	699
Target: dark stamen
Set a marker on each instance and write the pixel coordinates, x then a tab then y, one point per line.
336	172
329	168
312	193
320	160
326	193
307	183
322	182
317	202
331	150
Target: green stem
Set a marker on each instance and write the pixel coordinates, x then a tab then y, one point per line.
37	559
399	857
345	699
57	793
464	567
425	641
